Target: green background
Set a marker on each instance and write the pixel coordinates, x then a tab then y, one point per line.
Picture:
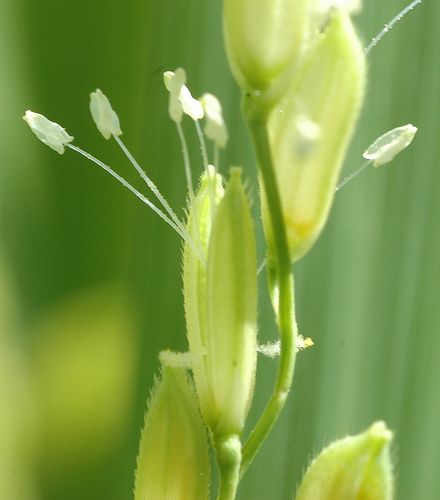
89	277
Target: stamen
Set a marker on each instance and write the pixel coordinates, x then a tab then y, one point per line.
353	175
384	149
205	160
390	25
215	128
50	133
202	143
104	116
189	182
186	162
216	155
150	183
138	194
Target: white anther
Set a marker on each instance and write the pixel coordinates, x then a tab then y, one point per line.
387	146
215	128
50	133
104	116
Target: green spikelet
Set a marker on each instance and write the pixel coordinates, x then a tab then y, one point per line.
310	130
173	461
354	468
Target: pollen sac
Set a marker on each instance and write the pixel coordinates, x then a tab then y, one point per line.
310	129
173	459
387	146
181	101
50	133
354	468
215	128
264	40
174	82
221	306
105	118
190	106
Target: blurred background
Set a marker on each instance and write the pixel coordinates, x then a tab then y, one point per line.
89	277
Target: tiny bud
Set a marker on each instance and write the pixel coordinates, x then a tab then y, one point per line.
387	146
105	118
52	134
173	459
354	468
215	128
264	39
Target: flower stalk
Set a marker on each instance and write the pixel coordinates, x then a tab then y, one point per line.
280	279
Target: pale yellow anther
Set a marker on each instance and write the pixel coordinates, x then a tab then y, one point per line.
174	82
50	133
303	343
387	146
215	128
181	100
104	116
190	106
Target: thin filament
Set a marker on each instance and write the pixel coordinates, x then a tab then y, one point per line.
216	157
353	175
139	195
390	25
205	160
149	183
189	182
186	162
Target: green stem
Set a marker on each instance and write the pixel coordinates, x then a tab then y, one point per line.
228	451
280	277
